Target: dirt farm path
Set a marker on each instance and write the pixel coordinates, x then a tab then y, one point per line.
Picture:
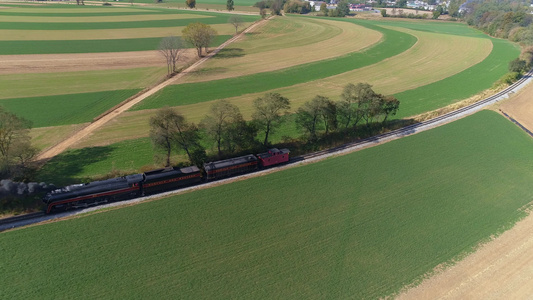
65	144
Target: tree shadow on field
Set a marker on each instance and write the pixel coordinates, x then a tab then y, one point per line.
65	168
229	53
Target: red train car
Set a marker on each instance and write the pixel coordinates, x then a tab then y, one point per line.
274	156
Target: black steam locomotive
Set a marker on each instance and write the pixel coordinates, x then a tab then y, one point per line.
156	181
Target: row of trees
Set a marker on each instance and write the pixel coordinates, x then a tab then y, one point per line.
226	128
224	125
359	103
198	35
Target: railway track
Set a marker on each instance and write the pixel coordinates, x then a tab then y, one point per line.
19	218
421	126
27	219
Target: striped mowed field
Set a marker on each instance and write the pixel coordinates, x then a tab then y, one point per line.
298	57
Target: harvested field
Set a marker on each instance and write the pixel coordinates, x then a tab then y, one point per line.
520	107
51	63
330	39
44	18
387	76
45	9
393	43
426	62
104	34
406	11
499	269
215	19
17	86
45	137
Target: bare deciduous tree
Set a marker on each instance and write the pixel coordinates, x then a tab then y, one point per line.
170	48
236	21
222	115
169	130
15	142
268	111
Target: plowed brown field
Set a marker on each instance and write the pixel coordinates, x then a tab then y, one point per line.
500	269
520	107
48	63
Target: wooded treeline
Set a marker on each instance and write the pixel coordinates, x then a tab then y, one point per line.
223	132
506	19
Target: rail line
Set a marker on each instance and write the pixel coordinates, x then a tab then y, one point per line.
424	125
17	221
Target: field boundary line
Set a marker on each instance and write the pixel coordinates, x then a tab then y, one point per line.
111	114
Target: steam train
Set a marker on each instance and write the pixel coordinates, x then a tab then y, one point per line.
157	181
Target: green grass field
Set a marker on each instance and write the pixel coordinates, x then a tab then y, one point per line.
414	101
213	19
358	226
447	91
221	3
393	43
74	166
65	109
88	46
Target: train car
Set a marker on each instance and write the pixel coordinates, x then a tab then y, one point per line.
166	179
93	193
230	167
273	157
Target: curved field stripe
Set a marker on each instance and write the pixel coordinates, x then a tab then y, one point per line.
307	40
433	26
393	43
218	19
87	46
65	109
91	12
93	19
106	34
462	85
88	14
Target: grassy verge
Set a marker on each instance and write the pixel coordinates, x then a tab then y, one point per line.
360	226
65	109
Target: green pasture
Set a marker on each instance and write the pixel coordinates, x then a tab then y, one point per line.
462	85
76	165
88	46
200	2
454	28
84	11
359	226
214	19
393	43
480	77
18	86
67	109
